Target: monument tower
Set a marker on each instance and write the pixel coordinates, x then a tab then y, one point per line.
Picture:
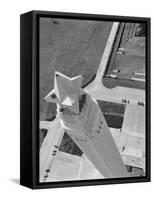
84	122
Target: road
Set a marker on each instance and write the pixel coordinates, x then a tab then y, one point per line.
98	91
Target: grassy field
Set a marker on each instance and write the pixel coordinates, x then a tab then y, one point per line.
72	47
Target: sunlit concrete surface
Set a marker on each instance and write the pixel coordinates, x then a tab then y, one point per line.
134	120
133	131
87	170
65	167
49	147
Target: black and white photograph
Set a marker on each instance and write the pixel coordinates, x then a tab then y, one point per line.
92	99
76	100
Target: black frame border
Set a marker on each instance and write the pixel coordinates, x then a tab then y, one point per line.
29	95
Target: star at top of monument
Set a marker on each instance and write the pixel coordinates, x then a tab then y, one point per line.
66	91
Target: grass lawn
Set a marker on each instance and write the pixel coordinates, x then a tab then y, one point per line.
71	47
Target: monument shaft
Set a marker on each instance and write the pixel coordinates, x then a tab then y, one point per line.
90	132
